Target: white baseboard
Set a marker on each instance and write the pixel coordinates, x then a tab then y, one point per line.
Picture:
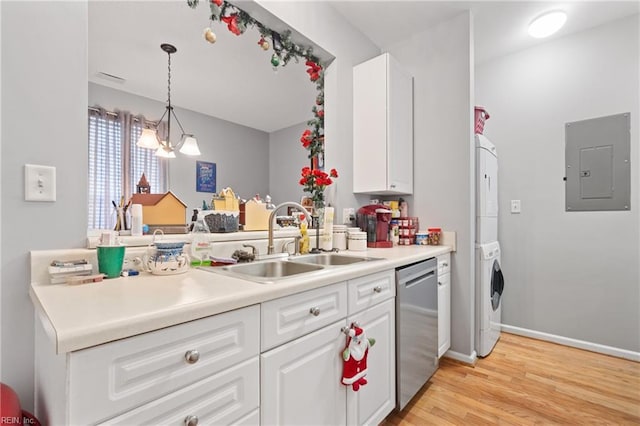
567	341
464	358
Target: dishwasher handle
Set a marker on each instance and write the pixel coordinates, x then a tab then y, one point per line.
418	279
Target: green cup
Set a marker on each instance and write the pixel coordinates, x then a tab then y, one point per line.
110	260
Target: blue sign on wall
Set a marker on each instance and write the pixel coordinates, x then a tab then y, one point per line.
205	176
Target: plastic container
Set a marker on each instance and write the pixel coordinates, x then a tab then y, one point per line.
136	220
481	115
434	237
422	238
340	237
357	241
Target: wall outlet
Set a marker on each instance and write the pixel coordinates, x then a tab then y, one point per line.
348	215
515	206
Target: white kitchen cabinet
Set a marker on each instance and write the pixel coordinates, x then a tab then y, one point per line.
132	379
375	400
444	303
300	380
382	127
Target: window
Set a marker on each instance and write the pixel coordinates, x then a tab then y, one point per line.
116	164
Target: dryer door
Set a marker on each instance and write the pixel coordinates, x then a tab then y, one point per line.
497	285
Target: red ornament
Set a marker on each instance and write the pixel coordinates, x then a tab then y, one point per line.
232	23
313	70
217	2
306	138
320	113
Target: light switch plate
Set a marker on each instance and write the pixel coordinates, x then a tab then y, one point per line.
348	215
39	183
515	206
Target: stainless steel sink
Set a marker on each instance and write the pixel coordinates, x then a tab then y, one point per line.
268	271
329	259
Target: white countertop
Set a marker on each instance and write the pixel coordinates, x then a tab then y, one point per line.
82	316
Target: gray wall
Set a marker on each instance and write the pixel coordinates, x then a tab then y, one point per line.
318	21
440	60
568	274
241	153
286	158
44	100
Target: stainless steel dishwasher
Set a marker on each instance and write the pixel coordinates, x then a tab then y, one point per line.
416	327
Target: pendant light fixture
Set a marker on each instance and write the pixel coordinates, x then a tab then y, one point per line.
188	144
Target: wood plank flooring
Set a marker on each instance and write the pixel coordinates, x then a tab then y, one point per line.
525	382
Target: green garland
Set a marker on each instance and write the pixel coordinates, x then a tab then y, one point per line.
285	50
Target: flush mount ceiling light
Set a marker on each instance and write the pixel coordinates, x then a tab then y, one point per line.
188	144
547	24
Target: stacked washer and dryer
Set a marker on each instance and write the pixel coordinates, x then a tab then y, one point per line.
489	279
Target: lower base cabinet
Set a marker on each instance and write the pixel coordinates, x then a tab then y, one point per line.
300	380
223	398
372	402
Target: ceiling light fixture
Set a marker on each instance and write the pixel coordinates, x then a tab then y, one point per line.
188	144
547	23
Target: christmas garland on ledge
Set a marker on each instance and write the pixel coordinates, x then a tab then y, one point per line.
284	50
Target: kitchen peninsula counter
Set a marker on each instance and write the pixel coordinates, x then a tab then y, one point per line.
80	316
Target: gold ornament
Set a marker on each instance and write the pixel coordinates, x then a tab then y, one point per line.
265	45
209	35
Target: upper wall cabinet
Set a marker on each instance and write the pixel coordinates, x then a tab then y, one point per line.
382	127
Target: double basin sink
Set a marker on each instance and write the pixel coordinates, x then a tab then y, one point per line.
270	271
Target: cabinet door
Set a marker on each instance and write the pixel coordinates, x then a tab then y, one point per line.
370	125
399	128
444	314
301	380
373	401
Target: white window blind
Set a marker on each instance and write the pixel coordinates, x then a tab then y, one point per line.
116	164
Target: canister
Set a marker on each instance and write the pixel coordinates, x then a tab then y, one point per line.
435	235
357	240
340	237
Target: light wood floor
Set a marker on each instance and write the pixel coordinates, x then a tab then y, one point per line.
526	381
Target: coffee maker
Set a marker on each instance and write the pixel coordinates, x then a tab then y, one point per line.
374	220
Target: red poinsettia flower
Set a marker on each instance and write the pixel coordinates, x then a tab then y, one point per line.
313	70
306	138
333	173
217	2
232	23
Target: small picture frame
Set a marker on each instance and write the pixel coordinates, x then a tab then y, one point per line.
205	176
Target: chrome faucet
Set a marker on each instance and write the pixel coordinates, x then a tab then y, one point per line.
272	220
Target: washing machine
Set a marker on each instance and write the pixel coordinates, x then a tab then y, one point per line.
489	289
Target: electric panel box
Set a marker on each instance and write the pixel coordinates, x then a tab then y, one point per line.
598	163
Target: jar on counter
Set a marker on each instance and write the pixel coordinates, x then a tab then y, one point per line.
434	236
357	240
340	237
422	238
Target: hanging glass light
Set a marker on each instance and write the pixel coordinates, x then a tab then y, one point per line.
188	144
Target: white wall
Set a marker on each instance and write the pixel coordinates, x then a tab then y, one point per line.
44	100
286	158
440	60
569	274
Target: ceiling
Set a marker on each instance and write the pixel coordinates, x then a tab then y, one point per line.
233	78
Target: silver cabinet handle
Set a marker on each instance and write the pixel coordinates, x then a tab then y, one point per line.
315	311
191	421
377	289
439	283
192	357
445	264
